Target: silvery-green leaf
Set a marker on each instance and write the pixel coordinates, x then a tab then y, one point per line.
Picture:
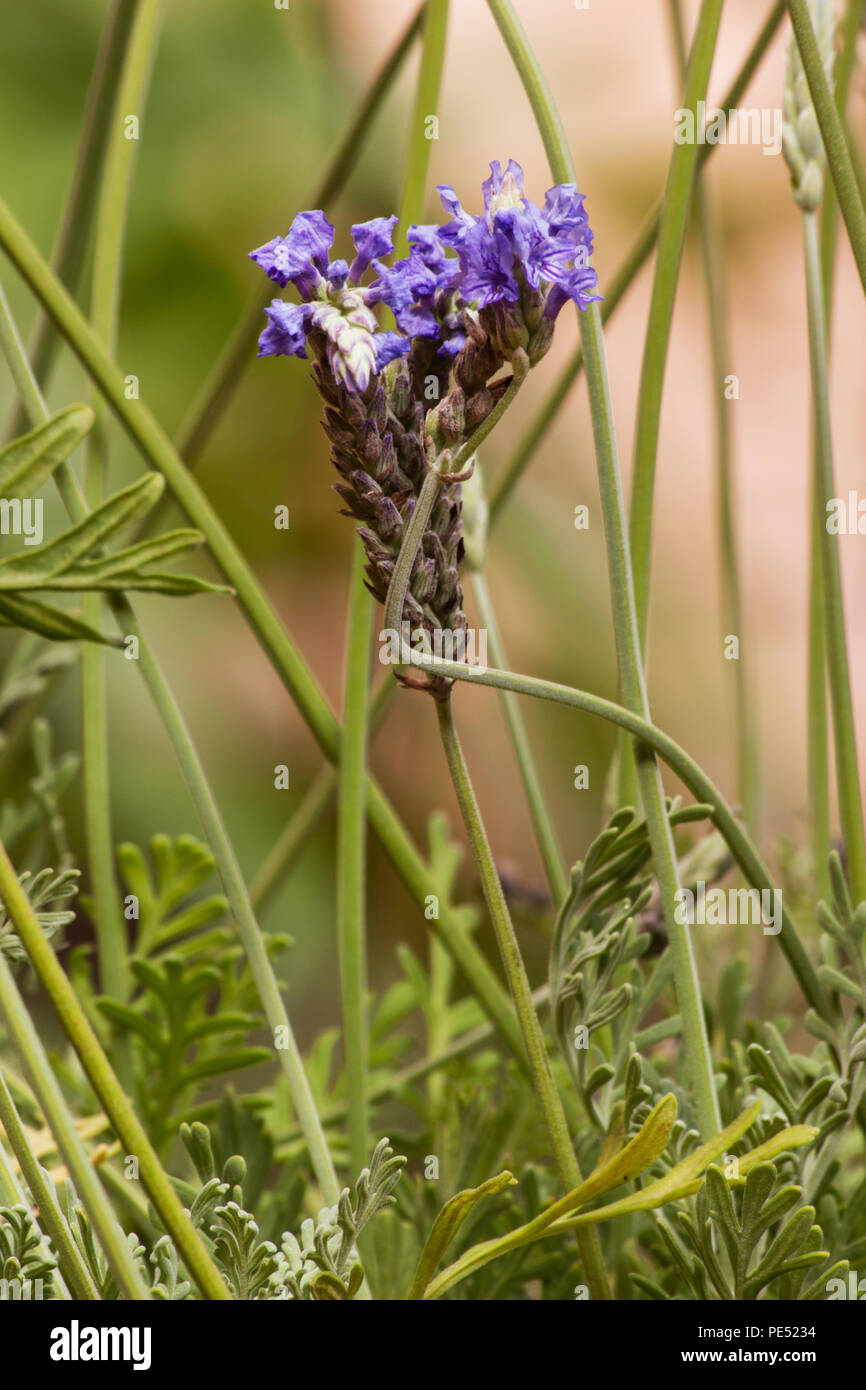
32	570
28	462
52	623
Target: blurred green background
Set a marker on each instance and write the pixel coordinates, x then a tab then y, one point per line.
246	107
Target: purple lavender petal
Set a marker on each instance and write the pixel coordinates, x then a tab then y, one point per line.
372	239
285	334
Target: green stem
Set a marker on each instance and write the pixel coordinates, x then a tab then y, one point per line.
51	1217
671	239
832	133
847	768
67	257
115	189
818	760
819	773
413	536
712	253
626	627
515	971
676	758
351	857
160	454
437	475
352	813
620	282
542	824
47	1088
855	15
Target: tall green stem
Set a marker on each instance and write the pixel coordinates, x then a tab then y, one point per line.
819	774
68	255
115	189
626	628
712	254
351	856
515	971
671	239
832	133
620	282
847	768
352	799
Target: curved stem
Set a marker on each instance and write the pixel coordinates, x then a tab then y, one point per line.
413	536
435	478
847	767
536	1048
626	627
678	760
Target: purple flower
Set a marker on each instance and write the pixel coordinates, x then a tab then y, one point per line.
575	284
389	346
409	287
372	239
542	256
515	243
502	188
565	216
487	259
286	333
301	256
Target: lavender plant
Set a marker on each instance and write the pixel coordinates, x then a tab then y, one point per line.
633	1127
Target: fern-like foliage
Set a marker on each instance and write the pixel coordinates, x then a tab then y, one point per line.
23	1266
194	1003
46	891
738	1245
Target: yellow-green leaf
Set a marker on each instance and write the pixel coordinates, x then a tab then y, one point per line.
448	1223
